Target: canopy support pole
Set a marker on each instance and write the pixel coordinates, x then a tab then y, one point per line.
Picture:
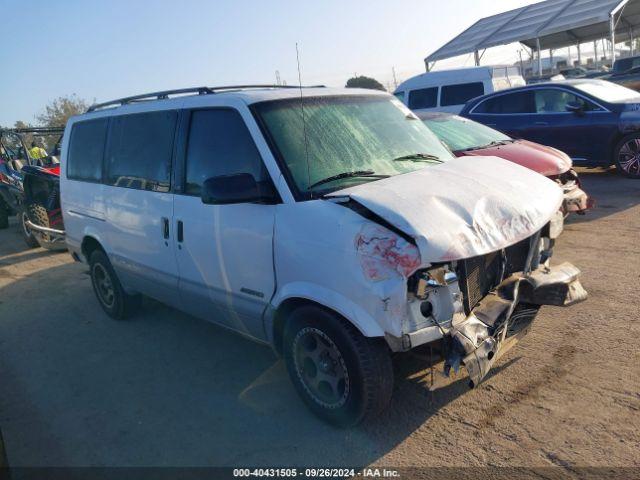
595	54
476	56
612	31
579	54
539	57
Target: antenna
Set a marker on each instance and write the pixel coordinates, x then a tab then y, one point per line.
304	123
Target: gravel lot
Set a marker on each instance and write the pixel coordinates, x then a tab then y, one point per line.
166	389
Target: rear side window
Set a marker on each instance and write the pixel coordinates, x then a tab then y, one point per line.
220	144
511	103
423	98
86	147
140	149
460	94
554	100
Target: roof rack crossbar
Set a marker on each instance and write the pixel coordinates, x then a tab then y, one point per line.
163	95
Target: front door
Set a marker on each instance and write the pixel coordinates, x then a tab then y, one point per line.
224	252
552	124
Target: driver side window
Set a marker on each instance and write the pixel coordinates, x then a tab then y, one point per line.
554	100
219	145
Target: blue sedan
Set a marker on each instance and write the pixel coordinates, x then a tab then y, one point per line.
597	123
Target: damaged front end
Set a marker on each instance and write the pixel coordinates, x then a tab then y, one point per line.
575	199
481	306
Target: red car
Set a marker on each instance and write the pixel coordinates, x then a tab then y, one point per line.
468	138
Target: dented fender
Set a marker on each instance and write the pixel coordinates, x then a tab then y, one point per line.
331	299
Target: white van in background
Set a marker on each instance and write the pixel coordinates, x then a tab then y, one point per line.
449	90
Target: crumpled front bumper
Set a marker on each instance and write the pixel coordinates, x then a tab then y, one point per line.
575	200
478	340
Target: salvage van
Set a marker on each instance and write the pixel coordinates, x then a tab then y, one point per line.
328	223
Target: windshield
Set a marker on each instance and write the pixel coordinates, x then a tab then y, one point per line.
462	134
608	91
347	134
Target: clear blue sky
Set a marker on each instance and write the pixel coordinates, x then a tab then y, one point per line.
103	49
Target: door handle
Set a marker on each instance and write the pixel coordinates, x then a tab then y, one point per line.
180	231
165	227
542	124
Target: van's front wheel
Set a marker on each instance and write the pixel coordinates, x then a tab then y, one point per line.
342	376
111	296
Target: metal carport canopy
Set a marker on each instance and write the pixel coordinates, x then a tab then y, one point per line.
554	23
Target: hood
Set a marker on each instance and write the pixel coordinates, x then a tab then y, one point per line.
545	160
461	208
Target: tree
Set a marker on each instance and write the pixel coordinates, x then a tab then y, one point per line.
59	110
361	81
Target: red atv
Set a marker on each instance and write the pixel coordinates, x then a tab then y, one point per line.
30	187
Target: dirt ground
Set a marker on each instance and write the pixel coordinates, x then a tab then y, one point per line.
166	389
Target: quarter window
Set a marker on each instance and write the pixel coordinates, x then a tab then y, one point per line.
139	151
86	150
220	144
553	100
423	98
460	94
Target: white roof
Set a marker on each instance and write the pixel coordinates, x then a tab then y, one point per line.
557	23
457	75
260	95
245	95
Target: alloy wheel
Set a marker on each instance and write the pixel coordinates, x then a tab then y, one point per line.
629	157
104	285
321	368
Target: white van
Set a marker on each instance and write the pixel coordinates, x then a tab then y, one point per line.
449	90
330	224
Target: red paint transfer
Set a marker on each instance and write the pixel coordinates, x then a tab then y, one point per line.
383	254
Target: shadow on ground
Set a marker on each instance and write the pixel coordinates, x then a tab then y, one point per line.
167	389
611	192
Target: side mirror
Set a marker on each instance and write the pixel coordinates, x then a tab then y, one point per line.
239	188
575	107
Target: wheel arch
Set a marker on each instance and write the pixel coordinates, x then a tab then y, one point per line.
333	302
89	245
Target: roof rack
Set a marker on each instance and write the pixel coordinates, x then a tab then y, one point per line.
165	94
35	130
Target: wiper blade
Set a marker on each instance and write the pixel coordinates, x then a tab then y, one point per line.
419	157
356	173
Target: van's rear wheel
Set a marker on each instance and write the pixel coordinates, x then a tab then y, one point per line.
342	376
108	289
27	234
627	156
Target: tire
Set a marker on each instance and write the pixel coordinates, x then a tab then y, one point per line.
627	156
4	215
28	236
39	214
355	372
111	296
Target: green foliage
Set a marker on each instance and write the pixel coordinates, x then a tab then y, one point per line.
59	110
55	114
364	82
